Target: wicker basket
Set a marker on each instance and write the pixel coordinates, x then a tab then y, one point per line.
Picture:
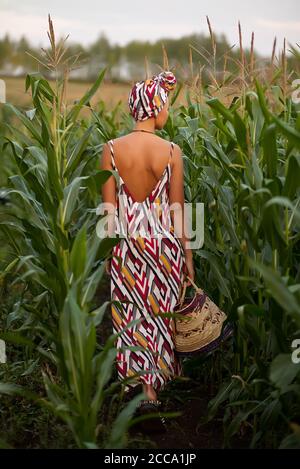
201	322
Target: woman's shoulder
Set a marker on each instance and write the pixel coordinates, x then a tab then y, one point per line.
156	139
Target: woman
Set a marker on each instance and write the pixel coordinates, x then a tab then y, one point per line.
147	271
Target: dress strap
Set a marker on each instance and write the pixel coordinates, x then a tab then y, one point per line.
111	145
171	151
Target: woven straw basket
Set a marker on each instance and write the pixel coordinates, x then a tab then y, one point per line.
201	322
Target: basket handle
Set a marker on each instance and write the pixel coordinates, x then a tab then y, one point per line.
198	290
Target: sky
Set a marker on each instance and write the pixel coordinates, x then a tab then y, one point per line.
125	20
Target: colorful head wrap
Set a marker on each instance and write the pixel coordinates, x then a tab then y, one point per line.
147	97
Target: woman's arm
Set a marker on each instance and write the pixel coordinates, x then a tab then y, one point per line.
108	190
176	198
109	187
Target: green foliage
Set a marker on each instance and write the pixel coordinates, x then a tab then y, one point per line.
53	185
242	161
250	263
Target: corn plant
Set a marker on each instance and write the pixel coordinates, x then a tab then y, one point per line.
243	162
49	223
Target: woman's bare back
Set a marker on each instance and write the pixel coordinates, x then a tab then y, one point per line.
141	161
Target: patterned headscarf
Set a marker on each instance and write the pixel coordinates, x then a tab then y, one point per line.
147	97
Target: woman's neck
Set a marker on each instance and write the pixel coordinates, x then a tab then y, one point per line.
148	124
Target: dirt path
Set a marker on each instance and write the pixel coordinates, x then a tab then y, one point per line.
186	431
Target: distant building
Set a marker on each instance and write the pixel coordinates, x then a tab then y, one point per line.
10	70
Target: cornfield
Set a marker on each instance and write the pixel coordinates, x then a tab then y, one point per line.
240	138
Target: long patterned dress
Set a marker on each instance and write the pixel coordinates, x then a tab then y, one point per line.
146	278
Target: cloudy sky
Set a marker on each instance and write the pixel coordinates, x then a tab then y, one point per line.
124	20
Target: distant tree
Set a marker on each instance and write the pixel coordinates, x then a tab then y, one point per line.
101	47
6	50
20	56
102	53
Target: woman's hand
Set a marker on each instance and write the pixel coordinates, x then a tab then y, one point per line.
108	266
189	267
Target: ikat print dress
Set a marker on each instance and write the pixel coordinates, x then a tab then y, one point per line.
147	272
